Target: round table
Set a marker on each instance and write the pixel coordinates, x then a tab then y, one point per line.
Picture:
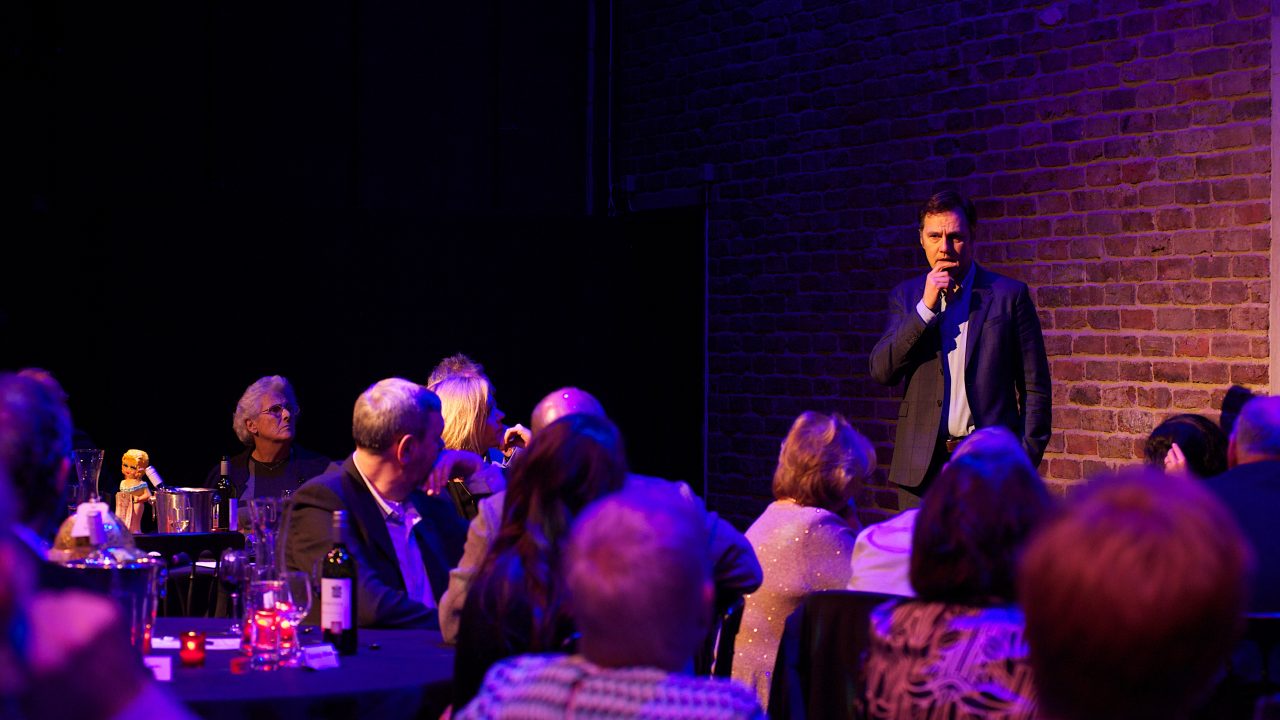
395	674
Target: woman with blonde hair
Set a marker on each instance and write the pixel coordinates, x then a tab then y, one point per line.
804	538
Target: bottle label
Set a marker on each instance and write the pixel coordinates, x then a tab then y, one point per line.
335	604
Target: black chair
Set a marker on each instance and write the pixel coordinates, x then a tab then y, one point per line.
715	657
181	551
819	670
1252	673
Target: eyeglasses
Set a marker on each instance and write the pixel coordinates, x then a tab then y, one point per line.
277	411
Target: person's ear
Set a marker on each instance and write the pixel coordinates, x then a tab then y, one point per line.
405	449
1232	451
251	426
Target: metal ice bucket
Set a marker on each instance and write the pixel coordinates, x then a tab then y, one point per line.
135	585
176	504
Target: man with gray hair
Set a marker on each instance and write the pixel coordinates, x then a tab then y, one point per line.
639	582
403	540
1250	488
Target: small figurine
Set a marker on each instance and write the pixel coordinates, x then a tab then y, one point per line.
134	492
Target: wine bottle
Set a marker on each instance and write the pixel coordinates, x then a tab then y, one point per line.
338	591
224	497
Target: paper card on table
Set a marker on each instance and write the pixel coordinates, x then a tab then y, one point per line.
319	657
208	564
222	643
165	642
160	665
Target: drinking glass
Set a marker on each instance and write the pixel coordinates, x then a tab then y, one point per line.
264	617
233	568
264	513
88	466
297	587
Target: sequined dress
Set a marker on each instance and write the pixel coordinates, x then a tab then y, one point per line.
802	549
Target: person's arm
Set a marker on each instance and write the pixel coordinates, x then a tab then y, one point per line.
310	538
479	538
898	347
1036	390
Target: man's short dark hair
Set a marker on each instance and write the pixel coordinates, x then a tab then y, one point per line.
949	201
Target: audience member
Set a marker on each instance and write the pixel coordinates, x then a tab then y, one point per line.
734	565
472	420
805	536
63	653
1133	597
1251	491
517	602
957	650
640	592
35	450
881	559
565	401
266	421
1187	443
403	540
1232	402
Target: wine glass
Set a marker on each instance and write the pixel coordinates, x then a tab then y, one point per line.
295	603
233	568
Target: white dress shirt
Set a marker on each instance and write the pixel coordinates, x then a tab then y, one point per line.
954	327
401	517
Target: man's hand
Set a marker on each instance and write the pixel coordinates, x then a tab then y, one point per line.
451	464
515	437
937	282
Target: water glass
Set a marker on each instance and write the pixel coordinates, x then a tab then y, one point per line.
264	619
294	607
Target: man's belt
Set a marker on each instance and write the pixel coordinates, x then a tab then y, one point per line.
953	443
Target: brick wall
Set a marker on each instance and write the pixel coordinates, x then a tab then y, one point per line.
1119	153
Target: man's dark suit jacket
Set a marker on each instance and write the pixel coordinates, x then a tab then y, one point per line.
381	597
1252	493
1006	370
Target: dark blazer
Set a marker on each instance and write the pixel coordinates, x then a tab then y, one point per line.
1006	370
381	597
1252	493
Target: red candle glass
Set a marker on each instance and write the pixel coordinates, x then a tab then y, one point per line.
191	649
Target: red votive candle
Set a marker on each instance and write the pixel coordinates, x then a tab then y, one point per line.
191	649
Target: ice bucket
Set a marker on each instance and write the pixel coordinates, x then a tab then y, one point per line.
135	585
180	509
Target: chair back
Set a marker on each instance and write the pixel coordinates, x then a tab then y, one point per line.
819	670
715	657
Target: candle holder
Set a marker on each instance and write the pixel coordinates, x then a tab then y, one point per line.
191	649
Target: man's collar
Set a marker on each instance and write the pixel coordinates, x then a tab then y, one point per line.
388	507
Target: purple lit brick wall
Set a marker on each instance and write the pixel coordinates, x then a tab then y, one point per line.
1119	152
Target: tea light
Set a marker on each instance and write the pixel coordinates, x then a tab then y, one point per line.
191	649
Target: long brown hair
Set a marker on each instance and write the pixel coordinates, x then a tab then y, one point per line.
571	462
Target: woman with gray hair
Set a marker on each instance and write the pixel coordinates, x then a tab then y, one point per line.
266	420
804	538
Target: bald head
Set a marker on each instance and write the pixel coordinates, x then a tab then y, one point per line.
1257	432
565	401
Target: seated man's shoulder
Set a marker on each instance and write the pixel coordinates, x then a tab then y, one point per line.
705	697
